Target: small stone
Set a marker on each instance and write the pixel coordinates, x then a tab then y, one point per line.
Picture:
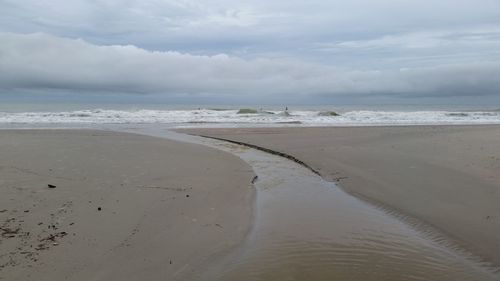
51	185
187	195
99	208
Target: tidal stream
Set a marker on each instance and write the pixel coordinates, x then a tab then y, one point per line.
306	228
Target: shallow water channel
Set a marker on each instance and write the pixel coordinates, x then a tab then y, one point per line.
306	228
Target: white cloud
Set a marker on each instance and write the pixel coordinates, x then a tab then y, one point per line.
478	37
40	61
161	22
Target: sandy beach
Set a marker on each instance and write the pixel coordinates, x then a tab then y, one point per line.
94	205
445	176
102	205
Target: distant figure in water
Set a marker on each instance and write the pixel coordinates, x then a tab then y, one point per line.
285	113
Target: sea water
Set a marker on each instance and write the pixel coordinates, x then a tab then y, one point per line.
229	116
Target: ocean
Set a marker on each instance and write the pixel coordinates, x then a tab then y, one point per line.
32	114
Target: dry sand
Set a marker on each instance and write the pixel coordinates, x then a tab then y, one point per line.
124	206
446	176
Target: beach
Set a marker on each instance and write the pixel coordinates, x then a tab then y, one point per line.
145	203
250	140
95	205
446	177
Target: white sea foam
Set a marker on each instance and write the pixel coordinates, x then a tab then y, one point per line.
231	117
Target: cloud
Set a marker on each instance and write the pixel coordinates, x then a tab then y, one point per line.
48	63
479	37
211	26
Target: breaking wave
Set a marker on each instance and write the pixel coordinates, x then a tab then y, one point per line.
211	116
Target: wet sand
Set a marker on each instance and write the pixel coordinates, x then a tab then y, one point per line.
445	176
124	206
307	228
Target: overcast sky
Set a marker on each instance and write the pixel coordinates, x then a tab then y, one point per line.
254	51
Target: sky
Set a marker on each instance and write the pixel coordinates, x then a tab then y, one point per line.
357	51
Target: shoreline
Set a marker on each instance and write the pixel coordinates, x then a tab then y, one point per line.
281	141
124	205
